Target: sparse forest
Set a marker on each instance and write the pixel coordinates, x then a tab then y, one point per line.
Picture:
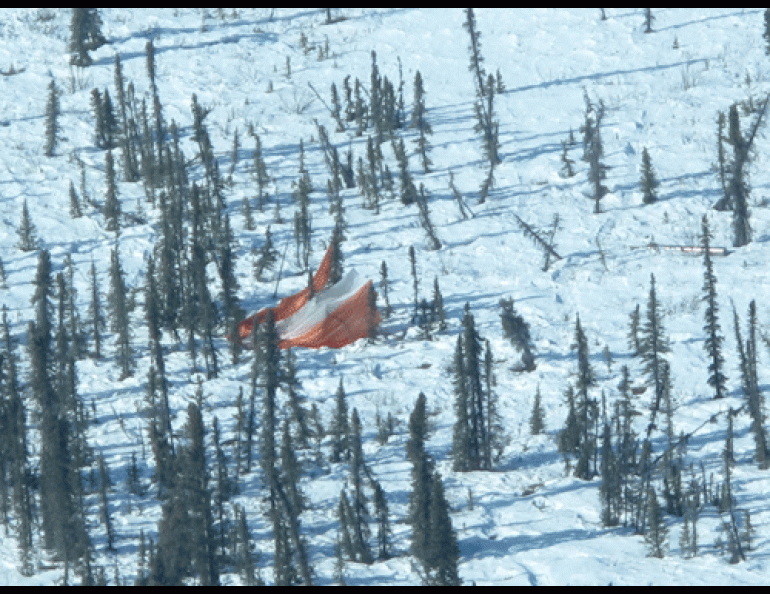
565	216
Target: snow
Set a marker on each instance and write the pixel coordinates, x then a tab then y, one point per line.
531	522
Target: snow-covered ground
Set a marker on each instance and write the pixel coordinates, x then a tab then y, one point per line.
530	522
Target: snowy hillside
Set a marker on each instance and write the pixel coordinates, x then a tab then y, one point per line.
269	72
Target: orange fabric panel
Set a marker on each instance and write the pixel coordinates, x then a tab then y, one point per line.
352	321
290	305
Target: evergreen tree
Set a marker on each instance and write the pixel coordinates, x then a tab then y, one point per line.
153	319
384	532
649	182
148	160
634	339
161	439
610	490
126	126
420	123
291	564
375	99
298	414
340	429
423	318
223	489
737	185
434	243
337	268
284	570
722	164
657	532
473	431
159	134
65	374
488	127
112	210
171	562
359	505
303	222
714	338
496	440
267	358
26	231
516	330
766	32
245	562
59	482
267	256
345	539
688	536
75	210
234	156
250	414
443	550
461	455
733	171
422	480
134	478
70	317
291	471
756	399
387	310
117	303
200	312
95	313
537	417
232	312
104	486
392	107
747	354
415	278
585	406
408	191
627	442
568	169
484	106
439	314
477	61
241	423
374	172
340	171
85	35
196	496
593	151
654	347
14	445
478	423
52	113
336	109
648	19
106	124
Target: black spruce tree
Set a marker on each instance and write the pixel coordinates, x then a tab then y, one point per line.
443	550
714	337
85	35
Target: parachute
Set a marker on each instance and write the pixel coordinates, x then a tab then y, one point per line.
320	316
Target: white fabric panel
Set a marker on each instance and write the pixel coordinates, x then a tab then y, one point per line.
319	307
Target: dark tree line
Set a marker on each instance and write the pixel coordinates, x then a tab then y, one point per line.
639	486
477	436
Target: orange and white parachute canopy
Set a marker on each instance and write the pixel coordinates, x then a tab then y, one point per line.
335	317
331	317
